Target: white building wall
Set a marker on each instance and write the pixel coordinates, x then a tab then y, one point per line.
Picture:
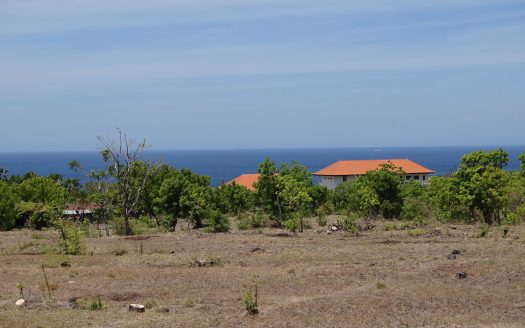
332	181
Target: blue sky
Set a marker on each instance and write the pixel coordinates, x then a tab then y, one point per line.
262	74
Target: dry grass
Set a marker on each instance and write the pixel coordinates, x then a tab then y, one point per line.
379	278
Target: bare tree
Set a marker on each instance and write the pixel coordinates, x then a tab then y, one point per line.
120	156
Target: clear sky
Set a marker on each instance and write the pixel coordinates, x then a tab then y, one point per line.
198	74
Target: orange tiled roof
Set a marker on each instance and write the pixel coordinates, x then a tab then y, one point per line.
246	180
360	167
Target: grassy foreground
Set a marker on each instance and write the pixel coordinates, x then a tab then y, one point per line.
395	278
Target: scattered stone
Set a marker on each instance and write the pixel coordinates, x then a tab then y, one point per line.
201	263
65	264
456	251
334	228
461	275
451	256
329	232
71	282
255	249
20	302
172	252
164	310
136	308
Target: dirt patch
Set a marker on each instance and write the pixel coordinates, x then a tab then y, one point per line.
380	279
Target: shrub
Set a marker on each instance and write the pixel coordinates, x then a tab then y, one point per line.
8	211
217	222
350	224
250	301
515	216
168	222
322	219
390	226
252	221
291	224
483	231
95	304
71	238
136	226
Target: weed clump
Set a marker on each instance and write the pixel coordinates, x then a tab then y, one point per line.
483	231
250	300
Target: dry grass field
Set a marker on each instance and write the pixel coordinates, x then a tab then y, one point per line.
379	278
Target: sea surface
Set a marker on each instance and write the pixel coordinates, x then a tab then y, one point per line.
224	165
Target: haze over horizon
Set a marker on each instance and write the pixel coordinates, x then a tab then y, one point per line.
232	74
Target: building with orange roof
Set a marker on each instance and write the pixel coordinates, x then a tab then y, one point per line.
246	180
342	171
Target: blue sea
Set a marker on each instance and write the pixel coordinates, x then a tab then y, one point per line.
224	165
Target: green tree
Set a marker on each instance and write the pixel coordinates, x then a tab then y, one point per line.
363	199
448	200
196	204
8	202
175	197
378	192
123	158
42	200
415	201
266	196
294	197
233	198
483	183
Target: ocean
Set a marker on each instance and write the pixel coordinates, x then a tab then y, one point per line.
224	165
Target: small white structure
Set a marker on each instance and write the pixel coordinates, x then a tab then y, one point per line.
342	171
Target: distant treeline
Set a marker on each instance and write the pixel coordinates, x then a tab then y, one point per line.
130	190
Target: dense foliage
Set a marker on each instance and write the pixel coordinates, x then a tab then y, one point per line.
481	190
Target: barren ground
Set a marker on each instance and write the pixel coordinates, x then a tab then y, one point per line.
376	279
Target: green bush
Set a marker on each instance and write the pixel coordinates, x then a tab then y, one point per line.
483	231
217	222
291	224
250	300
8	213
252	221
71	238
168	222
516	216
136	226
322	219
390	226
350	224
95	304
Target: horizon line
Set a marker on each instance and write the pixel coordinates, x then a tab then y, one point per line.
268	148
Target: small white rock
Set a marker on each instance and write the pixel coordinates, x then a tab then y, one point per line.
71	282
20	302
334	228
136	308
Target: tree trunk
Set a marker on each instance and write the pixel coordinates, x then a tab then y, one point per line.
126	225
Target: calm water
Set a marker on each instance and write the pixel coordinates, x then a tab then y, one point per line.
223	165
